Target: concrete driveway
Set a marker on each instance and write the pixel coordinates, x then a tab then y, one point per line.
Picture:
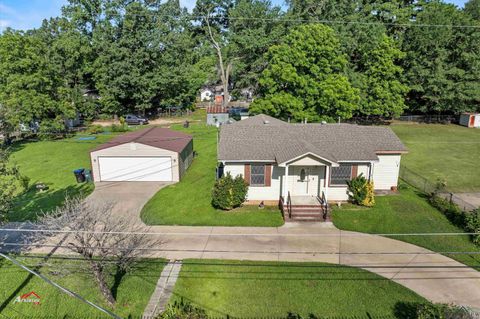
128	198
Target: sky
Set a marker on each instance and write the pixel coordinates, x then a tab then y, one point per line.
28	14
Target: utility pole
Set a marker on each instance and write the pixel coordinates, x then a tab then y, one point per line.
64	290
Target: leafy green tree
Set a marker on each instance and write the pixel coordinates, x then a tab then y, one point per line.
382	90
305	78
442	63
472	8
11	184
29	83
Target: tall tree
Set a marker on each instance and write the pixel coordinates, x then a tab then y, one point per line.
306	79
382	90
442	62
11	184
472	7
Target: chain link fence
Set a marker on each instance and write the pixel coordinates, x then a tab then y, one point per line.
428	187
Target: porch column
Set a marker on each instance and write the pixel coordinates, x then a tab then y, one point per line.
285	183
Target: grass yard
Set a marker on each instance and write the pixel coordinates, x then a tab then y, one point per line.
189	201
449	152
132	292
52	163
408	212
272	289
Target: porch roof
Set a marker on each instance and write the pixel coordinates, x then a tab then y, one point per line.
263	138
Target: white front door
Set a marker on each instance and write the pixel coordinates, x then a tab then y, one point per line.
301	182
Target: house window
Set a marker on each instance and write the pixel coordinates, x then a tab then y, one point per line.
257	175
341	175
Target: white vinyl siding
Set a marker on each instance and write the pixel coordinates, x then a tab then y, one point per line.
385	171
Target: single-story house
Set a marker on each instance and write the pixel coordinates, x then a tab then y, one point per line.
280	159
151	154
217	115
470	119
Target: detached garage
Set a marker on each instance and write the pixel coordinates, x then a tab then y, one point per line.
149	155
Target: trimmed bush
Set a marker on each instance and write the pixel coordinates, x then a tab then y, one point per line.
361	191
228	192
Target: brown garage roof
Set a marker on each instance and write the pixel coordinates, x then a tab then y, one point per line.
154	136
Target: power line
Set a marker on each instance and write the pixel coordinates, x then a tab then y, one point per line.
283	19
348	234
64	290
313	252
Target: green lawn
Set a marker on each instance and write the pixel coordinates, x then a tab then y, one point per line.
408	212
189	201
449	152
52	163
132	292
273	289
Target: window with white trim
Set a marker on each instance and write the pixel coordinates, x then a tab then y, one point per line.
257	175
341	175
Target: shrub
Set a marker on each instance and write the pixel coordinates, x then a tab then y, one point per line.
441	311
95	129
229	192
361	191
472	221
119	128
183	310
454	214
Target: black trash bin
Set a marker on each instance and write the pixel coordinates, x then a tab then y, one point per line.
79	175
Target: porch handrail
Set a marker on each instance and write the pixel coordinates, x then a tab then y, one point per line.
324	205
289	205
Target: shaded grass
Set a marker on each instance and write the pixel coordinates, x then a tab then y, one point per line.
408	212
52	163
449	152
133	292
189	201
269	289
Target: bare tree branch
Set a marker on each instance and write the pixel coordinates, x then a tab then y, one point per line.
104	236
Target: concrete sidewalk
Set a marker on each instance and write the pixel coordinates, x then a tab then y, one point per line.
431	275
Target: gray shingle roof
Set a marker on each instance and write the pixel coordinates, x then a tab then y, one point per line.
263	138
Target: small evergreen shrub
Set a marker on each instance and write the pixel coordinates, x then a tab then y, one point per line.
228	192
361	191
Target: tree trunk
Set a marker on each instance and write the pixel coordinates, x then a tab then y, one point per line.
102	284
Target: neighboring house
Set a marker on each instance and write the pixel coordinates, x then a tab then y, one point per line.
470	119
217	115
307	161
206	94
152	154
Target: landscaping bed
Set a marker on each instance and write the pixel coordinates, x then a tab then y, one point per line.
446	152
189	201
132	292
409	212
275	289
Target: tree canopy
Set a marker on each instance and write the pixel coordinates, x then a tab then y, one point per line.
141	56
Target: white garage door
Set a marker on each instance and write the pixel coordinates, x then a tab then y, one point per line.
144	169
